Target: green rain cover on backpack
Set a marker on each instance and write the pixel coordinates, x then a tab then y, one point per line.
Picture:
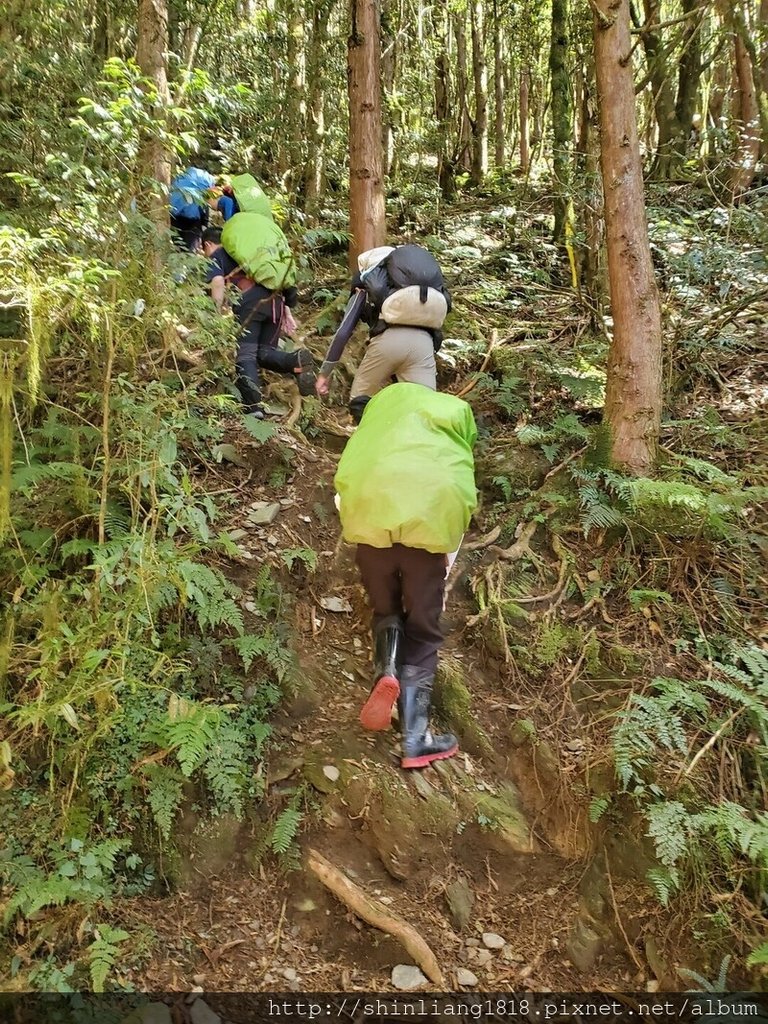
407	473
250	196
261	250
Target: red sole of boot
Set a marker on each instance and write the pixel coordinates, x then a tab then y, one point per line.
376	713
427	759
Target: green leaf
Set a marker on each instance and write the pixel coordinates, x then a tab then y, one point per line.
259	429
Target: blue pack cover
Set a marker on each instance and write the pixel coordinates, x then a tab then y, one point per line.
188	192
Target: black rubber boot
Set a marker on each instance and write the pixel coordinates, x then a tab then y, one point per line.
376	713
420	746
307	378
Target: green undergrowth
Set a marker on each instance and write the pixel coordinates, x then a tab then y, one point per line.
133	687
633	615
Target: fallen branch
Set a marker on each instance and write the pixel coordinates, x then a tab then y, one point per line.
376	914
562	465
483	366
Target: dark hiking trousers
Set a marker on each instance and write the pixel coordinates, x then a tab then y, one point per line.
410	583
259	317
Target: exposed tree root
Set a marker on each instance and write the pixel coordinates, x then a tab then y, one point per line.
376	914
293	417
483	542
522	546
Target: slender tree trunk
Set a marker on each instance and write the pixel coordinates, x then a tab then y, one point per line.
499	125
688	79
525	146
480	78
295	129
366	187
445	168
465	131
154	159
388	70
717	94
314	174
763	22
562	116
663	92
102	30
760	101
633	389
749	117
592	272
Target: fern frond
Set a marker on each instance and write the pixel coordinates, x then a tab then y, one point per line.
103	953
285	830
665	882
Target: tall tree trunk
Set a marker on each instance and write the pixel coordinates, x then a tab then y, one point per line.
749	118
499	124
688	79
480	78
525	92
633	394
154	159
314	174
763	22
295	129
562	116
445	168
753	57
592	252
465	130
102	30
663	91
388	70
367	222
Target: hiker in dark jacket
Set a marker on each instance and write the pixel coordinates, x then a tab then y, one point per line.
259	312
399	349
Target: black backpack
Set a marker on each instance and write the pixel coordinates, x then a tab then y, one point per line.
407	266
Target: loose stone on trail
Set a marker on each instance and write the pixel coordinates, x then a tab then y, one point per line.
406	977
465	977
460	902
263	512
339	605
331	772
228	453
493	941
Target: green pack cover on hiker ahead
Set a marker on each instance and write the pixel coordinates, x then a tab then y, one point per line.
261	250
407	473
250	196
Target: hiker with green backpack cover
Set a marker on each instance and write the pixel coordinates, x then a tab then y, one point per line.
252	254
406	492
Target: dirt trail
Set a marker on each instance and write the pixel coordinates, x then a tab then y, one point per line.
485	842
